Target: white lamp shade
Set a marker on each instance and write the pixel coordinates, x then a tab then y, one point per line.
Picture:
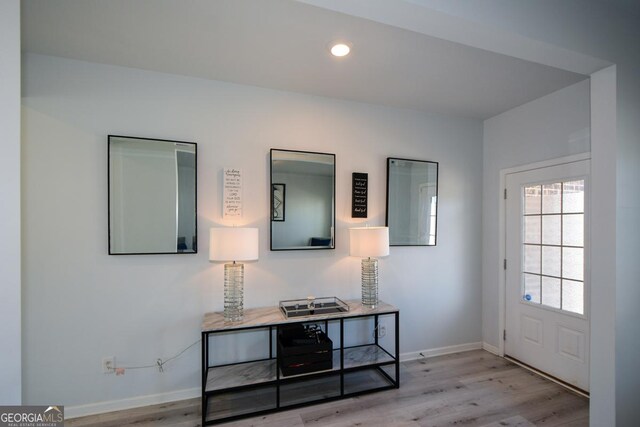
233	244
369	241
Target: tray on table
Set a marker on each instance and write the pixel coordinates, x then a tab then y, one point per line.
312	307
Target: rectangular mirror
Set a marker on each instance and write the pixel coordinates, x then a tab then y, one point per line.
152	196
412	202
302	194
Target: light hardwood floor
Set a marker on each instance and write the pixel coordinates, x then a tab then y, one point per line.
473	388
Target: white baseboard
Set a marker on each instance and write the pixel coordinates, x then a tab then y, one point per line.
130	403
154	399
491	349
405	357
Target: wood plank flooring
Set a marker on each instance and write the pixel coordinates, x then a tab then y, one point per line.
473	388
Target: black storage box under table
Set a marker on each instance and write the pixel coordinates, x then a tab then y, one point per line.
300	353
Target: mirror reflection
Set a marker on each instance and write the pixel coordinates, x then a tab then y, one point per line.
412	202
152	196
302	196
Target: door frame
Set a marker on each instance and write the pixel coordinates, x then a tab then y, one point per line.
502	234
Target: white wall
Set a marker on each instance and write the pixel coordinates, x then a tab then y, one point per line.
553	126
10	333
81	304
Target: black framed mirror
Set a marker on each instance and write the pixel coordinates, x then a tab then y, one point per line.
302	198
412	202
152	196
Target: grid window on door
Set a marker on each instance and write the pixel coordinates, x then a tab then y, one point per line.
553	245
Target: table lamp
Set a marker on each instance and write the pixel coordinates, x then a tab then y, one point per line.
368	242
233	244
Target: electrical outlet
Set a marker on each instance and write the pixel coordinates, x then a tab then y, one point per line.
382	331
108	365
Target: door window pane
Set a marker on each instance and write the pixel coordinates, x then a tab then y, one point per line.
573	230
573	263
573	196
532	259
573	296
551	292
551	198
533	199
532	288
551	230
551	261
532	229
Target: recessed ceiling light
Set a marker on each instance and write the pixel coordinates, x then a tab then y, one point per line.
340	49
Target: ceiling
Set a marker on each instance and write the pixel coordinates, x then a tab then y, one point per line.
282	44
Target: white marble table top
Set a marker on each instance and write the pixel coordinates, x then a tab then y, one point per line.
265	316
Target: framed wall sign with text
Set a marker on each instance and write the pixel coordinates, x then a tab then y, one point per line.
359	185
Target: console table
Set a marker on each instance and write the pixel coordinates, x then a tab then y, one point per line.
256	386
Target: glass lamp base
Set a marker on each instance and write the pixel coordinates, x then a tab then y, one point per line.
233	292
370	283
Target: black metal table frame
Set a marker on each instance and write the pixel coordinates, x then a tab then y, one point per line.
394	383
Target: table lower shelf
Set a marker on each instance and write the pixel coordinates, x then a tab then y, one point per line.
263	399
221	378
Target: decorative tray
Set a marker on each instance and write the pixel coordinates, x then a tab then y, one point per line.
312	306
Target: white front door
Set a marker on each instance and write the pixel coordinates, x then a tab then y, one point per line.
547	280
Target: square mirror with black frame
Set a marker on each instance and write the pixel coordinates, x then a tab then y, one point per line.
302	200
152	196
